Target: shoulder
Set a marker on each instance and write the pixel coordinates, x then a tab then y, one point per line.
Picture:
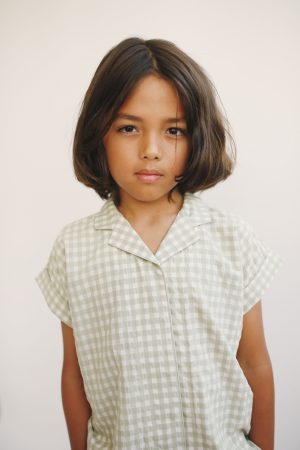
79	229
237	235
78	226
224	221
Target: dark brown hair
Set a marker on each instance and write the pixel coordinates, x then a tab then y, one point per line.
116	76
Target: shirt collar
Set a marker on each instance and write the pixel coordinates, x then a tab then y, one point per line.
182	233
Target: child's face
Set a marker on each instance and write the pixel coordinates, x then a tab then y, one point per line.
148	143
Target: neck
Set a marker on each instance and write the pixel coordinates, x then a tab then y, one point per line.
151	212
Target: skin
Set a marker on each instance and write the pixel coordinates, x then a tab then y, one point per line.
255	362
77	409
133	145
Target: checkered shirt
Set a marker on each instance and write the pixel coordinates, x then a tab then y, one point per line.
157	334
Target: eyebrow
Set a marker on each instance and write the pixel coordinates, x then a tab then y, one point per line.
139	119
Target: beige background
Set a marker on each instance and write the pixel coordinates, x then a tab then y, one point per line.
49	52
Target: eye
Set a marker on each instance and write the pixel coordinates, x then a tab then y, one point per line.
126	129
177	131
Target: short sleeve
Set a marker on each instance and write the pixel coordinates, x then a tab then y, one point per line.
259	266
52	281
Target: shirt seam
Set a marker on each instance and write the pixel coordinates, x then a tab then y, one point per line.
176	361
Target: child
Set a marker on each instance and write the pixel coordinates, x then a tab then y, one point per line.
157	292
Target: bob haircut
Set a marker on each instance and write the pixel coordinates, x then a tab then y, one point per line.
116	76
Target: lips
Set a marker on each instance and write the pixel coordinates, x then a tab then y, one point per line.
148	175
148	172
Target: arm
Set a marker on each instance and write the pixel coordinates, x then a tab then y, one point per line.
76	407
255	362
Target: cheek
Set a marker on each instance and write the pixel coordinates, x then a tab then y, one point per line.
116	146
118	161
113	161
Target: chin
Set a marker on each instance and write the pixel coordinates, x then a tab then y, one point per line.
146	196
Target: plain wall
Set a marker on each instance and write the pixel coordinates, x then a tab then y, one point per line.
49	53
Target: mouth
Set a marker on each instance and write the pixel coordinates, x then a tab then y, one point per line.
148	176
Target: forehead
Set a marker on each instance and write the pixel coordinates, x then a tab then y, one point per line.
153	94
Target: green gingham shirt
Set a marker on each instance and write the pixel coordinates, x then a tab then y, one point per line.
157	334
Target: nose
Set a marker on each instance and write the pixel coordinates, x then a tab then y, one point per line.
150	148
